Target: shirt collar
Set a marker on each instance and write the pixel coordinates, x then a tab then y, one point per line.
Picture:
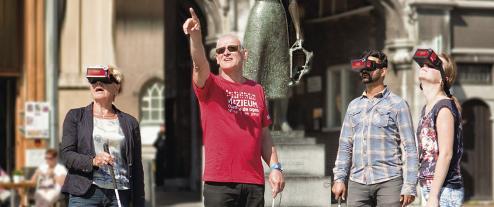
381	94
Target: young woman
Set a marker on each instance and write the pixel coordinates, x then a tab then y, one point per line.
440	137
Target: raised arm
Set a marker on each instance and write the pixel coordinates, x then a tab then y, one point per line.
201	70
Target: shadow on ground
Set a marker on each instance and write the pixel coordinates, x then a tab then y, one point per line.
177	199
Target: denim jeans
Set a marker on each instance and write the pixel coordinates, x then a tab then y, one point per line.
97	196
449	197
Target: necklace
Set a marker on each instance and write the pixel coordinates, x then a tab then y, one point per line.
109	115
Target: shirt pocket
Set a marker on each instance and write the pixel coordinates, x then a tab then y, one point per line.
381	117
356	117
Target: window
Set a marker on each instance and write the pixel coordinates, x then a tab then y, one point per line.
474	73
152	100
343	86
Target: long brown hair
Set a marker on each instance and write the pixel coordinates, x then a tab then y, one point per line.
451	71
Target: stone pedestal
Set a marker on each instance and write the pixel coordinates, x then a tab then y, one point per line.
303	163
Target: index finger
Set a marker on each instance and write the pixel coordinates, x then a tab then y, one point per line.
192	13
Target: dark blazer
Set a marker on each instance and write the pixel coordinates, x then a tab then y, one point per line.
77	152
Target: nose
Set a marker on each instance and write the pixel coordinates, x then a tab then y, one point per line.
227	52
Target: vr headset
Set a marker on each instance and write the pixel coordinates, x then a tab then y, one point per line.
428	57
366	64
431	59
101	74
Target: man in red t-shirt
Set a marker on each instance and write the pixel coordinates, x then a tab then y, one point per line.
235	120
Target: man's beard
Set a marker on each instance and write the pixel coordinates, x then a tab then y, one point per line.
368	77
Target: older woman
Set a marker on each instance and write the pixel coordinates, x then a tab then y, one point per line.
85	131
440	134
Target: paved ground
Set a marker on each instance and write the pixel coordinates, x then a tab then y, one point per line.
178	199
479	204
188	199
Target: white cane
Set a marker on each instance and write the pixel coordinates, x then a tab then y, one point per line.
274	199
107	150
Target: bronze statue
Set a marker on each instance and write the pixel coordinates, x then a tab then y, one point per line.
270	61
266	39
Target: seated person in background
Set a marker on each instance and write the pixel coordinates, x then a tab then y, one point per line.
49	178
4	194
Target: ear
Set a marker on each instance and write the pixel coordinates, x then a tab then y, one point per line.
245	54
384	71
217	59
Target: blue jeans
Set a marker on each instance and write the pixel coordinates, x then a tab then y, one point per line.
97	196
449	197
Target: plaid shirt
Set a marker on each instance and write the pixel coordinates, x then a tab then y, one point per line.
370	142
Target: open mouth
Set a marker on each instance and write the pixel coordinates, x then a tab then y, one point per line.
227	59
99	89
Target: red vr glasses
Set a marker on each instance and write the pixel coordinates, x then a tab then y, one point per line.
431	59
365	64
101	74
428	57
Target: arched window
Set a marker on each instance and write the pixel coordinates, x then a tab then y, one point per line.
152	100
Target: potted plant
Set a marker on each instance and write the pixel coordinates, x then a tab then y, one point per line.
17	176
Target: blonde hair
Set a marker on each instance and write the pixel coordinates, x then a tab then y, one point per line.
116	73
450	68
450	71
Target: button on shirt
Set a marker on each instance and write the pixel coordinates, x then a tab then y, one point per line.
373	132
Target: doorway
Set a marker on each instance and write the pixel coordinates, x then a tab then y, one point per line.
7	120
477	156
183	134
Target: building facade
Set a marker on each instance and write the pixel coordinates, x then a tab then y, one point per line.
22	76
125	34
145	40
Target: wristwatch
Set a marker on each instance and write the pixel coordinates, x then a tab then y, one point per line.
277	166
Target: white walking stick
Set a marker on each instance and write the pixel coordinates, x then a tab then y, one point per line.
107	150
274	199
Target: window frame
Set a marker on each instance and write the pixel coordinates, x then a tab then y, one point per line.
150	108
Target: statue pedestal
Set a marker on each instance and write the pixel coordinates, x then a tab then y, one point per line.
304	169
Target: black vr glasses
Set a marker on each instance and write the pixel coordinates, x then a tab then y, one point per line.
431	59
101	74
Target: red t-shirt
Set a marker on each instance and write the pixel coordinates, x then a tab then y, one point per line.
232	118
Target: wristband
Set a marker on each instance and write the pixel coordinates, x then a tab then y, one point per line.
277	166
